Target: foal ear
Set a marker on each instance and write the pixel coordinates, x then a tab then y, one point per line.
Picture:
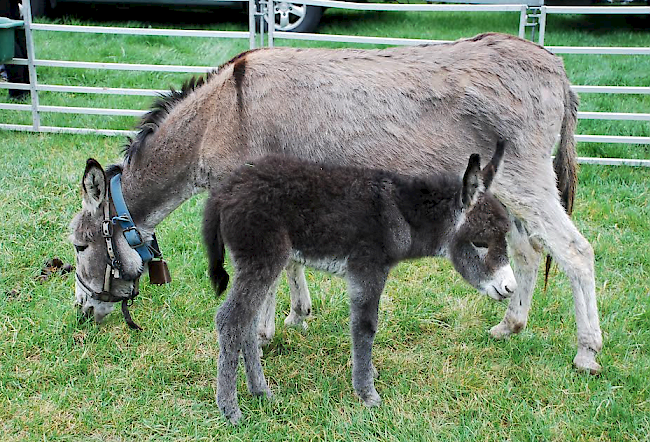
473	184
93	186
490	169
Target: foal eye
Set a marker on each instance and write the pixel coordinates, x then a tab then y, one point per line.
80	248
480	244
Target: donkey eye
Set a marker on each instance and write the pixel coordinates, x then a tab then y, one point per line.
80	248
480	244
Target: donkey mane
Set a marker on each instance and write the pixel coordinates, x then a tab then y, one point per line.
165	102
159	110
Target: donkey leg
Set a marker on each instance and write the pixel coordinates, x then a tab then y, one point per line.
300	300
266	318
235	323
230	341
526	257
255	380
575	256
364	290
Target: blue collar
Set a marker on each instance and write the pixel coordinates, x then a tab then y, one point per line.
130	231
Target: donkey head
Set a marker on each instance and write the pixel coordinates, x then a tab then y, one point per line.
107	267
478	249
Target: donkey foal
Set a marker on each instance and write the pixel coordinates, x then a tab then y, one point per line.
356	223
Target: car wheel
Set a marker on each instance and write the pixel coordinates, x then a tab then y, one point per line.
296	17
40	8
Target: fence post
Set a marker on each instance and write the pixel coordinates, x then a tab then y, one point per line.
542	25
252	11
270	5
31	67
523	17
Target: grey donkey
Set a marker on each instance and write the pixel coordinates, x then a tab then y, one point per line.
414	110
356	223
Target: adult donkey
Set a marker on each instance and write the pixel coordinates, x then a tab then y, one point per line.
412	110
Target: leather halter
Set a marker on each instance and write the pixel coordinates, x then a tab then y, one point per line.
147	250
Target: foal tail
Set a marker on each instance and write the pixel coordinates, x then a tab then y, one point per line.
214	245
565	164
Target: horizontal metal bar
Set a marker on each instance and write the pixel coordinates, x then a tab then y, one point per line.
598	50
353	39
68	130
16	107
153	92
75	110
101	90
613	116
614	161
18	86
611	89
608	10
91	111
109	132
413	7
140	31
612	139
116	66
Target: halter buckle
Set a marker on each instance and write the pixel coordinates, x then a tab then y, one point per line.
133	237
107	229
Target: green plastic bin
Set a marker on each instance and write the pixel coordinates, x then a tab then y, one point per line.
7	37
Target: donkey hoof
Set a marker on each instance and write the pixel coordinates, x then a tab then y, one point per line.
263	339
264	393
233	415
500	331
295	321
370	398
585	361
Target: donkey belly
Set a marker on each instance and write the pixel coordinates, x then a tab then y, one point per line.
333	265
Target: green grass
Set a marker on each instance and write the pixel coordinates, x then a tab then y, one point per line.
441	376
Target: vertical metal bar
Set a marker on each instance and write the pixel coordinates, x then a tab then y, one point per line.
27	18
542	26
271	19
522	21
260	19
252	9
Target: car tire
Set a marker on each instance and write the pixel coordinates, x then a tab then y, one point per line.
297	17
40	8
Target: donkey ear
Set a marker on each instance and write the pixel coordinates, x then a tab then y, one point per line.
490	170
473	184
93	186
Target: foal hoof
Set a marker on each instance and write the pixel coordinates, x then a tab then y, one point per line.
233	415
265	393
585	361
370	398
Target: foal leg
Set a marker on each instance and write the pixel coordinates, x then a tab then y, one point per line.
266	319
235	321
526	257
255	380
300	300
365	290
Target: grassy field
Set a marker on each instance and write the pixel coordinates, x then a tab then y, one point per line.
441	376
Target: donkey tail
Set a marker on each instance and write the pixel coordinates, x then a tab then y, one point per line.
214	246
565	164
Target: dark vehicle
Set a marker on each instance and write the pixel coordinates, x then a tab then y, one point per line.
289	16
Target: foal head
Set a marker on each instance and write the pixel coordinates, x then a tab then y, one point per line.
478	248
106	266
